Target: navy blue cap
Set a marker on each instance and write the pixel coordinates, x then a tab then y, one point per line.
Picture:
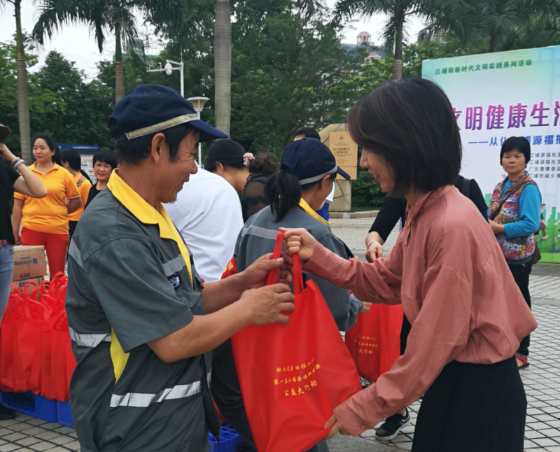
149	109
310	160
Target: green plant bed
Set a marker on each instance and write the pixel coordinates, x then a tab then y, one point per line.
366	193
363	209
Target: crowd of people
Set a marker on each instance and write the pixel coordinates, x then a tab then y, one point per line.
151	310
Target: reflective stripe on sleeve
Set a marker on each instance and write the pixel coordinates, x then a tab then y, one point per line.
89	340
174	265
260	232
139	400
75	252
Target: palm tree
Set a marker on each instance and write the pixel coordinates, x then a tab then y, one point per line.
398	12
503	24
115	16
23	99
222	65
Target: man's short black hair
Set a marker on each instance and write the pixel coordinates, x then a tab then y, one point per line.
516	143
71	156
411	124
105	156
308	132
135	150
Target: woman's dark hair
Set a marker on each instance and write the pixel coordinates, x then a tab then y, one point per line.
53	146
517	143
105	156
261	166
71	156
225	151
74	160
410	123
283	190
135	150
308	132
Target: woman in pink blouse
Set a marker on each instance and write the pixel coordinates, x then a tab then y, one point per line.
467	314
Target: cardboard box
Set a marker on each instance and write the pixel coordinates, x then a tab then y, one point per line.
21	285
29	262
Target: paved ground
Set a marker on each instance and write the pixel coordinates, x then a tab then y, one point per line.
541	379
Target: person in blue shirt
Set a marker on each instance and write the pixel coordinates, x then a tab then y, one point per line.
515	208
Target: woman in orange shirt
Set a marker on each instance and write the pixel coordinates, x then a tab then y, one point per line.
447	270
72	162
45	220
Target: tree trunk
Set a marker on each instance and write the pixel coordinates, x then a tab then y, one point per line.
222	65
23	99
119	77
397	60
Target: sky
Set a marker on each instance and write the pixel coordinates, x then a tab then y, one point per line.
77	44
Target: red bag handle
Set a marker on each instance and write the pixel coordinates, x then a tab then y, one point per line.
298	274
276	254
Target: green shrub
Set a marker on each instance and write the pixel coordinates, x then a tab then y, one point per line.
366	192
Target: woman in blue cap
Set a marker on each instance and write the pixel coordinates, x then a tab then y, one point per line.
306	177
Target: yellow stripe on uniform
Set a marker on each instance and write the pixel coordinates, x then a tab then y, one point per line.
309	211
118	356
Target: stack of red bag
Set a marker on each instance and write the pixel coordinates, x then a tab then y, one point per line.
35	348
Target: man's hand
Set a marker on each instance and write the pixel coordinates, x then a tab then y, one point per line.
336	427
266	304
255	275
6	154
299	241
374	251
366	308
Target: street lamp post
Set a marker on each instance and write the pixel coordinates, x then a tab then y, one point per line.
198	104
168	69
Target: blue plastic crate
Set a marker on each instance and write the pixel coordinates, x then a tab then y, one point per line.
31	404
65	414
228	439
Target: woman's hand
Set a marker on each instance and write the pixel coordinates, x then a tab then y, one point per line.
374	251
496	228
336	427
6	154
299	241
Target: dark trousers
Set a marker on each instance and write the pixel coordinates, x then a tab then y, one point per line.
521	274
72	226
405	331
227	395
473	408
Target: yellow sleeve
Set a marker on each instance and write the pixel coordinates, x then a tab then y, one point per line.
71	186
19	195
84	188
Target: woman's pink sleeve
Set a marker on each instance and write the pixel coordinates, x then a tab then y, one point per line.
379	282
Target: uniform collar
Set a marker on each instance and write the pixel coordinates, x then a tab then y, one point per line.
137	206
54	168
146	214
309	211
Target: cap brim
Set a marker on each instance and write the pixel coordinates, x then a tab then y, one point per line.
207	132
343	173
4	133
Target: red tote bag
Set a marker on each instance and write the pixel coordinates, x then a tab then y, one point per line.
374	341
293	376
